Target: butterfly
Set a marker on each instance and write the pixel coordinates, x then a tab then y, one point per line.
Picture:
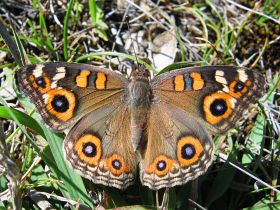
161	124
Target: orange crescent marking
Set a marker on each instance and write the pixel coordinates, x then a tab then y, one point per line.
208	100
125	168
197	146
36	86
82	78
198	82
236	94
248	83
100	81
153	167
179	82
68	114
79	145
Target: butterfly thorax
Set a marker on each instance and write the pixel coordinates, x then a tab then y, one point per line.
139	102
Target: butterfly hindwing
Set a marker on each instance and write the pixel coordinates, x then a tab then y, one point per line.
99	147
64	92
178	148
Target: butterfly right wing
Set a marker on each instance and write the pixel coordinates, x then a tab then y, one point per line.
178	148
216	96
99	146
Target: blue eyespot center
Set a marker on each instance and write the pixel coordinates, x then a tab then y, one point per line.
89	149
40	81
161	165
218	107
188	151
60	103
116	164
238	87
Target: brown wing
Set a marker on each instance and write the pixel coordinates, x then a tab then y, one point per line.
99	146
178	148
214	95
64	92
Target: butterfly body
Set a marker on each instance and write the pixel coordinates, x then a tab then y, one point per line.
139	103
162	125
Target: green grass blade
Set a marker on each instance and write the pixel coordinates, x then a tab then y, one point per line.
10	43
23	118
222	181
256	136
93	11
44	35
73	186
65	28
94	55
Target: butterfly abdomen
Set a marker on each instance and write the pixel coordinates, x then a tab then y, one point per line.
139	103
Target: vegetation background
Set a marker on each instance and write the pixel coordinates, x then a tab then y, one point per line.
245	173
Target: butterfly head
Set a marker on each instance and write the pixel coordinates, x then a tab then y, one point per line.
140	73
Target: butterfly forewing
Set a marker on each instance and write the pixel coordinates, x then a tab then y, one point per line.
64	92
216	96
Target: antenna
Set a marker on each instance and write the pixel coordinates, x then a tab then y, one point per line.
127	23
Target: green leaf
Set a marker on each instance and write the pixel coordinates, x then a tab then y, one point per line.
72	186
180	65
102	34
256	136
23	118
265	204
65	28
222	181
93	11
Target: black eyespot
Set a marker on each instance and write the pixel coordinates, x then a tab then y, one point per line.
238	87
161	165
89	149
188	151
40	81
60	103
218	107
116	164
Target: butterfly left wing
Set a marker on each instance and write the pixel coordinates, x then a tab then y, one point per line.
178	148
64	92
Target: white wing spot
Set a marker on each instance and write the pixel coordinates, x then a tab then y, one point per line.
45	98
220	73
219	77
38	71
60	74
233	102
243	77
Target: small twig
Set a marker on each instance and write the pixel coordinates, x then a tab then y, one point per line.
165	200
253	11
251	175
34	194
11	171
196	204
54	15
